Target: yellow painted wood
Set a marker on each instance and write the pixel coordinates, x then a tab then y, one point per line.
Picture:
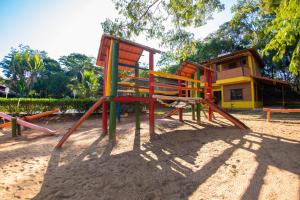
250	64
172	76
222	95
252	94
126	83
234	80
108	76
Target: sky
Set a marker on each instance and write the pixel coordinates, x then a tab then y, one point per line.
61	27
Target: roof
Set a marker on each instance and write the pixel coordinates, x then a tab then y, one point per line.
235	54
129	52
269	80
188	68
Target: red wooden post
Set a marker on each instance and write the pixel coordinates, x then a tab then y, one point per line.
104	105
180	113
186	89
151	93
209	91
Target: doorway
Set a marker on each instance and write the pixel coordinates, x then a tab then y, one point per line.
217	97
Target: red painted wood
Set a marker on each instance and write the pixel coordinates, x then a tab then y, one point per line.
134	86
80	121
130	99
209	94
151	93
104	118
105	104
133	77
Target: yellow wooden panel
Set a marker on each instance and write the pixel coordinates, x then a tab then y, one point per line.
172	76
108	75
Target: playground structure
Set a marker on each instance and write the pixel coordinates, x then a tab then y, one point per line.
269	111
24	121
123	84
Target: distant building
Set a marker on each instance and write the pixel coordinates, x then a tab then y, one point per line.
3	94
2	91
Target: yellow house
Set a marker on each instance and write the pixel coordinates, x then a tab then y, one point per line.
237	81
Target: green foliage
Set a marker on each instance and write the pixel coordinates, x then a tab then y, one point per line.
53	81
22	66
166	20
31	106
85	77
170	69
31	73
274	27
285	31
86	86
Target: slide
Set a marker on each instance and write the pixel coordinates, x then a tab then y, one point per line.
170	113
80	121
27	124
226	115
32	117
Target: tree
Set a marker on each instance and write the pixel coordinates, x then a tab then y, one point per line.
52	81
166	20
87	86
285	31
274	27
85	76
22	67
76	62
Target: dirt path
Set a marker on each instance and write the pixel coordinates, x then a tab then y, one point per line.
186	161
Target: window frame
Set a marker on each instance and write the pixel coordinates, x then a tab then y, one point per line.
236	97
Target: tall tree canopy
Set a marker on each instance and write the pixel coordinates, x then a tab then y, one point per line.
272	26
23	66
167	20
32	73
269	25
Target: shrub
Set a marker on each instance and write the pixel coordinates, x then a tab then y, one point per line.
34	105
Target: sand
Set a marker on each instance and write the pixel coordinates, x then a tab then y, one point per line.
185	161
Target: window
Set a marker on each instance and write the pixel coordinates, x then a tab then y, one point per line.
236	94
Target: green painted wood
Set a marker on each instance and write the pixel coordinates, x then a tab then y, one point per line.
18	129
14	127
113	91
137	104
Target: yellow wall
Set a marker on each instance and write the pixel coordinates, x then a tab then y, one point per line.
237	104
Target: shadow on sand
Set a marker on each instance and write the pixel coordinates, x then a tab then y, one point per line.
137	174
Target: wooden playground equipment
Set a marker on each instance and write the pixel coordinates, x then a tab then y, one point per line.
270	110
23	121
120	58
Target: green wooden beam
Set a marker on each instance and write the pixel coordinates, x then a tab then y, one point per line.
113	91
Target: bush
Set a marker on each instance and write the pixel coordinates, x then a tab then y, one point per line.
33	105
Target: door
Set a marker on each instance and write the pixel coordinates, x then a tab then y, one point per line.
217	97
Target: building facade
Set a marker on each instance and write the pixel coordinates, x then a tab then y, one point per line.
237	80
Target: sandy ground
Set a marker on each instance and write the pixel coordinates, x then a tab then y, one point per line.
185	161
